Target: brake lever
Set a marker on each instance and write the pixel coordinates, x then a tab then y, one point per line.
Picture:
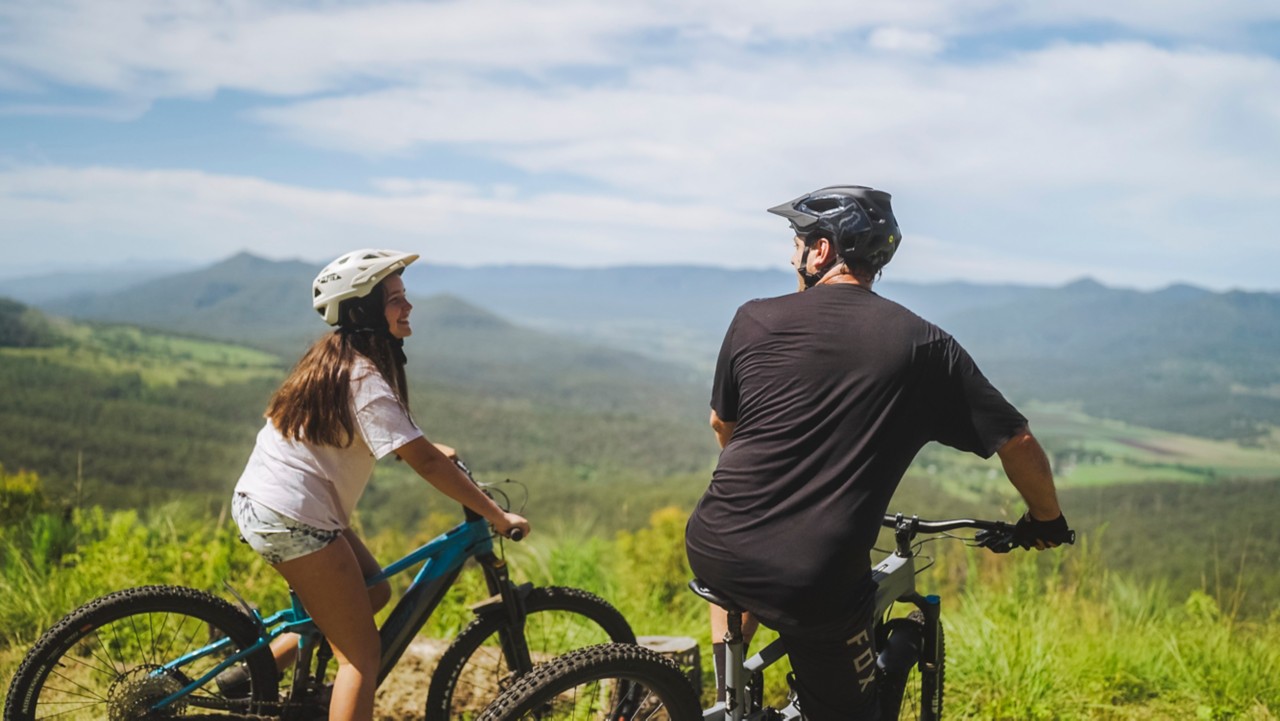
1001	540
996	540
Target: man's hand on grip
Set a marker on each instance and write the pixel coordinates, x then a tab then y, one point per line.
1033	533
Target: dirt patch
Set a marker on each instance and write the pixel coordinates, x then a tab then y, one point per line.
404	694
1149	447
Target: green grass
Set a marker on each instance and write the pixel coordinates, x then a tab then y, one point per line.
1074	641
1030	636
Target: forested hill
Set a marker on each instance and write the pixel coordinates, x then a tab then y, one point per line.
142	416
242	299
1181	358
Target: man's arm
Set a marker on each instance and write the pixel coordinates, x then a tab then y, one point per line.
723	429
1028	469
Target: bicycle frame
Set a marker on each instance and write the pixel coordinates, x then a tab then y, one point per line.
442	560
895	576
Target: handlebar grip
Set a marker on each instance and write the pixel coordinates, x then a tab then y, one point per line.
516	535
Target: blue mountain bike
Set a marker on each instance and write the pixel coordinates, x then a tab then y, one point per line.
156	652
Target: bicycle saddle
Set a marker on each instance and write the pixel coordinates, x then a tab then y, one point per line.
710	594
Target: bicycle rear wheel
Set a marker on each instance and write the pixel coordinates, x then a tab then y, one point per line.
618	682
106	660
473	670
915	692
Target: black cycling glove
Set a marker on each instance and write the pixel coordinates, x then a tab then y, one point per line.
1029	530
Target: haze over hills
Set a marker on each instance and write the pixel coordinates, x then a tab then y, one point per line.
148	417
1182	358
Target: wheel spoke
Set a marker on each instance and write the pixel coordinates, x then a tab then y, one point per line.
105	672
89	693
104	661
137	637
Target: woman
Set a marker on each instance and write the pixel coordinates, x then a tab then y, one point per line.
343	406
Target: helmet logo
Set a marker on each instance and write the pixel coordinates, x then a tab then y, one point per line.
327	278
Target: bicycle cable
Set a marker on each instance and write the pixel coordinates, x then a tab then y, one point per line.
919	544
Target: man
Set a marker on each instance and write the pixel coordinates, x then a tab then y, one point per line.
820	402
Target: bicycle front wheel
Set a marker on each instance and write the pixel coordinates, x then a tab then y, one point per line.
473	670
916	692
614	682
111	660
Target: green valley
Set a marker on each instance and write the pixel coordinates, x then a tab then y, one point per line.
120	442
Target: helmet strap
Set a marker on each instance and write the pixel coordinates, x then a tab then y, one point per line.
810	279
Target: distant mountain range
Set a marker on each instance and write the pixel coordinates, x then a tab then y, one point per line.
1182	358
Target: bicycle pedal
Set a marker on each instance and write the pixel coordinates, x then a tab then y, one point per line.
234	682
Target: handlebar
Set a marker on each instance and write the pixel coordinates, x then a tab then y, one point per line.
997	536
515	534
919	525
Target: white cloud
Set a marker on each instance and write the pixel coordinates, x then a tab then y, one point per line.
1126	118
686	119
157	48
193	50
907	41
106	214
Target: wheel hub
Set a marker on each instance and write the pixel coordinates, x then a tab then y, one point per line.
133	694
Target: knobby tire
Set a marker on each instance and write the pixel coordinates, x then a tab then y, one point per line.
618	682
472	671
99	662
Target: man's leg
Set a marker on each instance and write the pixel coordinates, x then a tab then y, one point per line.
836	672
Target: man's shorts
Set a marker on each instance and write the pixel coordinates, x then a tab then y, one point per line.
275	537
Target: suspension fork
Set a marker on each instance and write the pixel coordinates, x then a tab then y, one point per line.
511	599
498	581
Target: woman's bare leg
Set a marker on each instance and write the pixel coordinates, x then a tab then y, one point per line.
285	648
330	585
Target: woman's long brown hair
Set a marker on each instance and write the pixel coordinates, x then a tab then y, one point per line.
314	402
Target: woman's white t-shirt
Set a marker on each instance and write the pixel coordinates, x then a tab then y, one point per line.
319	485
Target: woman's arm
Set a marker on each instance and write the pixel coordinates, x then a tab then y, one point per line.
438	470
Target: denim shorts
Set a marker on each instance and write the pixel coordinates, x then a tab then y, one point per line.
275	537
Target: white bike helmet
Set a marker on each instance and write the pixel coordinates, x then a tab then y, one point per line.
353	276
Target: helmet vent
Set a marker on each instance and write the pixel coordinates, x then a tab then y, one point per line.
822	205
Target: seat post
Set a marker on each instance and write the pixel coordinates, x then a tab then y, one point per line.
735	676
735	673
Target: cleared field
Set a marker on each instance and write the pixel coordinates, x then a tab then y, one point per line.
1088	451
158	359
1092	451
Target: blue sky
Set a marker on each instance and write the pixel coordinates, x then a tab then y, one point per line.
1134	141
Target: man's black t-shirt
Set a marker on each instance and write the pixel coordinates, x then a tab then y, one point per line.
833	392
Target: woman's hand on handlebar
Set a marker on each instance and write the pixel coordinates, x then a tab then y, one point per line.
511	525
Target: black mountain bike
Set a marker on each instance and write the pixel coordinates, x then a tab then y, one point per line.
622	681
156	652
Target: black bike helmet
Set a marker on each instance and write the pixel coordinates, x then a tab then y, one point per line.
858	220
